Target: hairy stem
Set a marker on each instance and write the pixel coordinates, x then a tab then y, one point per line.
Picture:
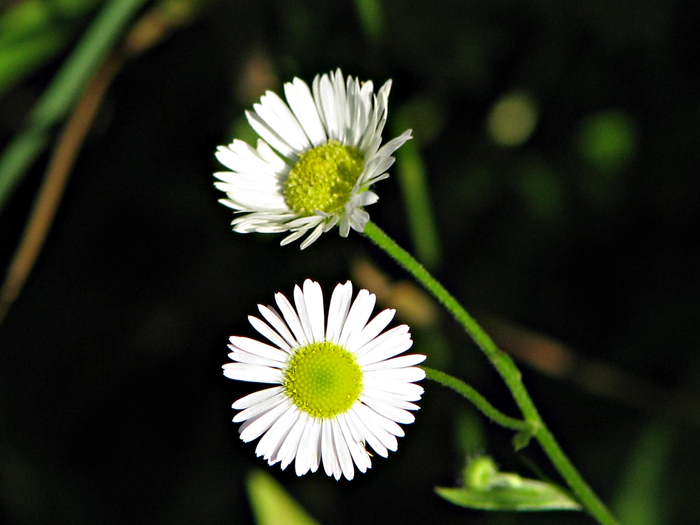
507	370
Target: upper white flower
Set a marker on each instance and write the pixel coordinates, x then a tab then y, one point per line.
317	156
338	385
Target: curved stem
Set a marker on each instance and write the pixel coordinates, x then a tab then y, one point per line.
505	367
478	400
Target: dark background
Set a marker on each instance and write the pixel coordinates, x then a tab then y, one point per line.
113	408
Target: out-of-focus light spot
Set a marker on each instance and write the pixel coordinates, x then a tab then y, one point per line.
512	119
256	76
424	115
540	189
608	139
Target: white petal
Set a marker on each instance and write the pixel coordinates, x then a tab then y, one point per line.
376	166
259	199
360	311
330	460
272	440
291	318
389	411
278	116
270	136
355	421
313	299
325	104
396	362
410	374
387	424
408	391
344	227
338	310
252	373
379	393
371	420
256	397
389	397
358	219
257	348
254	427
301	101
307	454
289	448
341	449
379	351
244	357
394	144
300	305
372	330
266	331
357	450
293	237
396	336
260	408
272	317
313	237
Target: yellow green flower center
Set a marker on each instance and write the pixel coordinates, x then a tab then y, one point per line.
323	178
323	379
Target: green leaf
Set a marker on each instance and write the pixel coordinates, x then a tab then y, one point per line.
643	493
271	504
487	489
522	439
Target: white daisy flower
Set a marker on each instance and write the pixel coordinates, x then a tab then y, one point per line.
317	156
338	386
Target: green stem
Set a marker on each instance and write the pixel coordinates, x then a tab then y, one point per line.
478	400
505	367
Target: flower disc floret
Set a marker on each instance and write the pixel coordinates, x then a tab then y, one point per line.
323	179
323	379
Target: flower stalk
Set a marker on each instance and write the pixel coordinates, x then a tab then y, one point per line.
478	401
507	370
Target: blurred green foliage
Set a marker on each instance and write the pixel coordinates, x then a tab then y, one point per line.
58	98
271	504
33	31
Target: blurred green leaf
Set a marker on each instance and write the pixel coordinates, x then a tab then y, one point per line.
470	434
33	31
371	18
271	504
608	140
640	496
59	97
487	489
522	439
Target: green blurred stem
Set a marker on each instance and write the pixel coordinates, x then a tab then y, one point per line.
411	174
65	88
505	367
478	400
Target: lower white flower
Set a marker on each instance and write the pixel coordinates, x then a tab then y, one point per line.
317	157
339	385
